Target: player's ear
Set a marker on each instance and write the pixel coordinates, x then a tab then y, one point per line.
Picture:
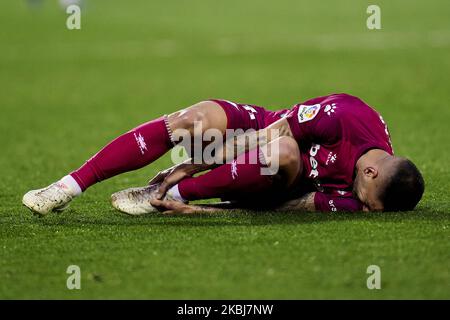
371	172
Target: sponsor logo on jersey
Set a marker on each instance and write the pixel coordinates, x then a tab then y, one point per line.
307	113
314	164
314	174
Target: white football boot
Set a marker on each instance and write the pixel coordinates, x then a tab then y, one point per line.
50	199
136	201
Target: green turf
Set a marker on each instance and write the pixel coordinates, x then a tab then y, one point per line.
63	94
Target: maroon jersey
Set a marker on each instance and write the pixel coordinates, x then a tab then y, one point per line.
333	132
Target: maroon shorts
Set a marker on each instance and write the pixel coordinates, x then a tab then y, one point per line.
248	116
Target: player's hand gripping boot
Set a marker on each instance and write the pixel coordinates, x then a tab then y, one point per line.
136	201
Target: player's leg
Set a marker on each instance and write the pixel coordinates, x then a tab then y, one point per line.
147	142
130	151
241	179
136	201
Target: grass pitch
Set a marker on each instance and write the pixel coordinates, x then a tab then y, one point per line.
64	94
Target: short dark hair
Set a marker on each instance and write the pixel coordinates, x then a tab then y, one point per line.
404	188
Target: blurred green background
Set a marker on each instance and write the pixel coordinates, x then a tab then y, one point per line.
65	93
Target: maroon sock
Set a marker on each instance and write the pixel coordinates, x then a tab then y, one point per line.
231	180
132	150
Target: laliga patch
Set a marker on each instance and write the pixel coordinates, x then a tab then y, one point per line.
307	113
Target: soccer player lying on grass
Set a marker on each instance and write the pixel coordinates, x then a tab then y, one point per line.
333	153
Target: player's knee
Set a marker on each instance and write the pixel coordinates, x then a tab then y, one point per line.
288	153
284	159
195	116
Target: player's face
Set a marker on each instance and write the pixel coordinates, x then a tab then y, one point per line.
366	188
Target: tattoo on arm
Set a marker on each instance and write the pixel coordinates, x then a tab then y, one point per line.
304	203
191	167
250	140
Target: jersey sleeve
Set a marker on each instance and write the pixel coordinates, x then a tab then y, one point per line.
329	203
315	121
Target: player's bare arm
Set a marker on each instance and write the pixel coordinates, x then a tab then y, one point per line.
304	203
261	138
301	204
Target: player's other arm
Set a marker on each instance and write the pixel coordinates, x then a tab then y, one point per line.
170	207
321	202
302	204
310	202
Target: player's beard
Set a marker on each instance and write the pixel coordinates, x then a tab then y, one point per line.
355	187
